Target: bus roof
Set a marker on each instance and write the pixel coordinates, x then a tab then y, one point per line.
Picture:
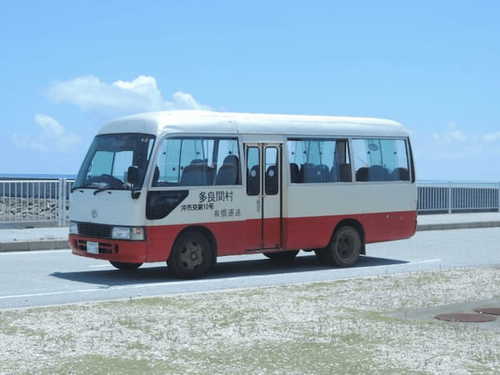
208	122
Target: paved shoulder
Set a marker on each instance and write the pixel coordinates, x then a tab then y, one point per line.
33	239
458	221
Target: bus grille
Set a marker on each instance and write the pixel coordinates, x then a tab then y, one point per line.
104	248
94	230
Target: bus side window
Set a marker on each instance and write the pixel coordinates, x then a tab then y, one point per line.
189	161
399	160
228	162
380	160
319	160
167	170
253	171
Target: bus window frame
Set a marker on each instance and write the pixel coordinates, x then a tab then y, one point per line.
409	160
156	152
317	138
350	138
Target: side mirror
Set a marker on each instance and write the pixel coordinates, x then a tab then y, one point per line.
133	175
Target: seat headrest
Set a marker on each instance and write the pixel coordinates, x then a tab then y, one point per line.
231	159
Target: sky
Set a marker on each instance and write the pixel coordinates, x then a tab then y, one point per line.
67	67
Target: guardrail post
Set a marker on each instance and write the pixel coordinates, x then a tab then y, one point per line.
498	195
60	203
63	207
449	197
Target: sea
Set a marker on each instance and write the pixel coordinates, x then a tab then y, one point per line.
34	176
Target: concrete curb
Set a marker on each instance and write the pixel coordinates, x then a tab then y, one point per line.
63	244
448	226
33	245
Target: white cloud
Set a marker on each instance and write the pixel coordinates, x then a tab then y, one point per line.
451	135
452	143
141	94
52	136
491	137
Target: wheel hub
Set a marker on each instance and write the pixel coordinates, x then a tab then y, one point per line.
191	255
345	246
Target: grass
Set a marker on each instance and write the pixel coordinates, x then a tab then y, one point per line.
322	328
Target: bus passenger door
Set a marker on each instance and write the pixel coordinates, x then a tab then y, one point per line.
263	170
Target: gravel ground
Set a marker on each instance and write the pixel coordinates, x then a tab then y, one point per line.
343	327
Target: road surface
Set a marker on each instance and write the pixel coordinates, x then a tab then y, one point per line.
58	277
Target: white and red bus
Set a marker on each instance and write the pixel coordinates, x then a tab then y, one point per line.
186	187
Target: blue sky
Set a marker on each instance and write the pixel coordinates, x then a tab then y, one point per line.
67	67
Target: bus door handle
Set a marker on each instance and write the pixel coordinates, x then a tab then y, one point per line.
258	204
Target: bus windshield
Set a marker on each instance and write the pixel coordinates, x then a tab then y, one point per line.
109	157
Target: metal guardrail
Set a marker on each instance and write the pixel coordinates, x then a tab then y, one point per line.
34	202
458	197
46	202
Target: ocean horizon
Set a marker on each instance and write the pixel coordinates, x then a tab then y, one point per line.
35	176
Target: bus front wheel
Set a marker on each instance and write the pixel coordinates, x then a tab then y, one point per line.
125	266
343	250
192	256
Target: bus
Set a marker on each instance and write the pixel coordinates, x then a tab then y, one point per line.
186	187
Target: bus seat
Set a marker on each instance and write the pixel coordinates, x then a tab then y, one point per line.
378	173
362	174
294	173
322	173
308	172
228	173
195	175
400	174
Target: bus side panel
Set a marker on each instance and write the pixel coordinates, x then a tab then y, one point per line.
308	232
386	210
316	232
231	237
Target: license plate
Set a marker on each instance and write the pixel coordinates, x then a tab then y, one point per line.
92	247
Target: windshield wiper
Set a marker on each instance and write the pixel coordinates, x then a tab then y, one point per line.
102	189
109	188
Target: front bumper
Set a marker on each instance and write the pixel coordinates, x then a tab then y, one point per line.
114	250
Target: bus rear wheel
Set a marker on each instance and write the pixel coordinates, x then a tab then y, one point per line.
125	266
282	256
192	256
343	250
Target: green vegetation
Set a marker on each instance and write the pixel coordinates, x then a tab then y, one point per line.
343	327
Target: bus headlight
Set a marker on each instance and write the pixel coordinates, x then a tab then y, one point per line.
128	233
73	228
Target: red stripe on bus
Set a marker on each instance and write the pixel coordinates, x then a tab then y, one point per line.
237	237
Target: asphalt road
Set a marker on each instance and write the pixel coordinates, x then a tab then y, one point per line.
58	277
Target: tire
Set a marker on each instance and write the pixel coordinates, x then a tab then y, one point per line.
192	256
282	256
125	266
343	250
